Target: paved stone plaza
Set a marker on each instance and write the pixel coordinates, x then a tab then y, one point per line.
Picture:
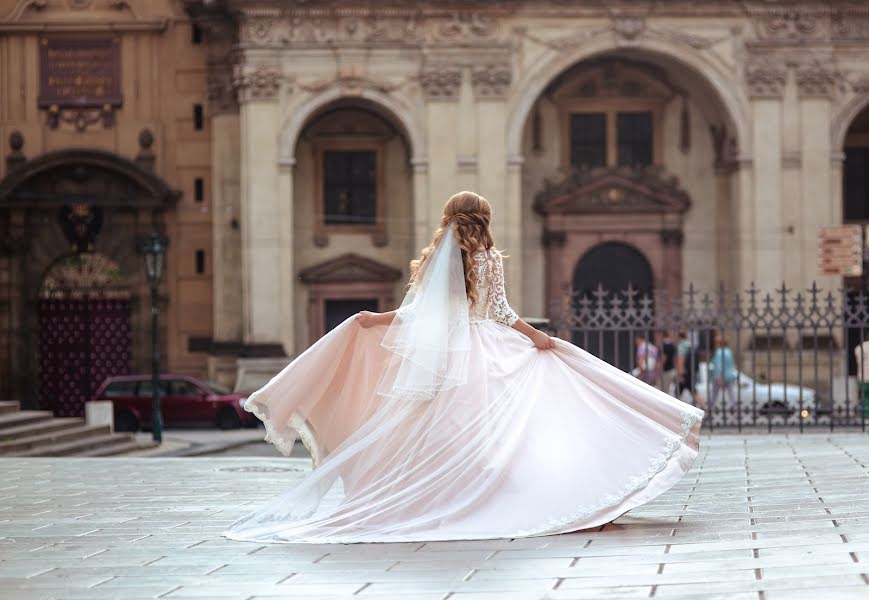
759	517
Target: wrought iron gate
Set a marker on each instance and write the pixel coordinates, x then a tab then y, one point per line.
797	352
81	342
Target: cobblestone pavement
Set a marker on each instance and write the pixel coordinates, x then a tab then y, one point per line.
759	517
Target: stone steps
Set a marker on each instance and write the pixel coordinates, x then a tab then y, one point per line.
9	406
16	419
39	433
78	446
72	431
37	427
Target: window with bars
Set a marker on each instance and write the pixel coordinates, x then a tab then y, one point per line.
350	187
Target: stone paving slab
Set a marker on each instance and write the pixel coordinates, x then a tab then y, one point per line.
759	517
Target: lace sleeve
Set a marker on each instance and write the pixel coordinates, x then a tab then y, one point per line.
498	305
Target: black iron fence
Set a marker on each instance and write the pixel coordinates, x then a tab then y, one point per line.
796	355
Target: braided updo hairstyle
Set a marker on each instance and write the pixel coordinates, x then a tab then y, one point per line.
471	214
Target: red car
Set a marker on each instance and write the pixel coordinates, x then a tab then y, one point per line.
184	400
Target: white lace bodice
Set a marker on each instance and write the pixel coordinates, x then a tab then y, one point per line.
491	297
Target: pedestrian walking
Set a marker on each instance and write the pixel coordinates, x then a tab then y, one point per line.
722	370
647	360
669	373
687	365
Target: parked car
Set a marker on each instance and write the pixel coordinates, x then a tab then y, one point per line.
184	400
771	398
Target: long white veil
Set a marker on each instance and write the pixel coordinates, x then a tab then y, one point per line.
430	336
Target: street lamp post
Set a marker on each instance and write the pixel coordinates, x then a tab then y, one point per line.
153	249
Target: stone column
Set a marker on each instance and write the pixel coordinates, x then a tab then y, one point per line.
421	230
761	212
224	193
816	85
441	85
498	181
286	267
263	305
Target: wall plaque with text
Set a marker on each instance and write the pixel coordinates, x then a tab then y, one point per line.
80	79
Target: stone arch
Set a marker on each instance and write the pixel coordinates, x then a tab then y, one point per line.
843	119
387	106
533	85
82	200
125	183
637	258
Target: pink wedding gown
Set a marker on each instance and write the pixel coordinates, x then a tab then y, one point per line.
537	442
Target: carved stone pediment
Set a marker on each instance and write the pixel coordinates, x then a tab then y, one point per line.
613	190
84	15
79	175
349	268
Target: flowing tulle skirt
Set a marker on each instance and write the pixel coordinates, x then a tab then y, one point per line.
537	442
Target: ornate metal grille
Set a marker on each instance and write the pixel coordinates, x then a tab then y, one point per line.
796	352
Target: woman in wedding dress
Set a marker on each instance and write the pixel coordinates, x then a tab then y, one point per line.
451	418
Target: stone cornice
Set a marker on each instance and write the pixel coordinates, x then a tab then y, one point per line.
542	8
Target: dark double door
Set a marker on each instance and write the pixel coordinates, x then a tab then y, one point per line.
82	340
613	268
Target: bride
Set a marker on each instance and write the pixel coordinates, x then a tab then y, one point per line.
451	418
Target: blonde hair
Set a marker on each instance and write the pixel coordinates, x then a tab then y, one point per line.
471	214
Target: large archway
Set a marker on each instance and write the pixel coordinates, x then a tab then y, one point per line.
635	145
854	182
353	193
71	203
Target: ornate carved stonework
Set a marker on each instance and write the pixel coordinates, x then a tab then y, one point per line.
401	26
257	82
810	25
628	27
765	79
221	33
15	156
791	24
350	84
491	81
816	79
441	83
613	190
861	83
851	27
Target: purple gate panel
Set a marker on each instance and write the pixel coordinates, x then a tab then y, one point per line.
81	342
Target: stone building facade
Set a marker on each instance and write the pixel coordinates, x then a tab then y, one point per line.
655	144
651	143
104	140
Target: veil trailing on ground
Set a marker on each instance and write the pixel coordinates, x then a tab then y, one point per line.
430	336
